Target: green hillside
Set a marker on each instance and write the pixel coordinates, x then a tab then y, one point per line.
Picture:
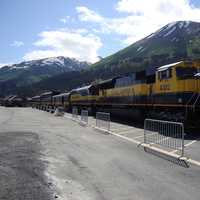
175	41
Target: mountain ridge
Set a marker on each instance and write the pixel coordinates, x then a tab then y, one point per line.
65	63
30	72
176	40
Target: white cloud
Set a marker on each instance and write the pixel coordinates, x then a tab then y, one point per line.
160	11
147	16
77	44
142	17
17	43
86	14
71	30
138	18
65	19
144	7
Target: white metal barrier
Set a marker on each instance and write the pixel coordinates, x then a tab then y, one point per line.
84	117
164	133
59	111
75	112
103	120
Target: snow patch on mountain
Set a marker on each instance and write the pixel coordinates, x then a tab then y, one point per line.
140	48
170	31
181	24
171	25
59	61
19	67
50	65
187	23
174	39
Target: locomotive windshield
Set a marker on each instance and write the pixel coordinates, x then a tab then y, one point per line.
185	72
165	74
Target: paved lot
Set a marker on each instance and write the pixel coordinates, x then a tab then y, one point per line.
136	132
76	162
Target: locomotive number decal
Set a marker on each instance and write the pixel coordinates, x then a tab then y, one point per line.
165	87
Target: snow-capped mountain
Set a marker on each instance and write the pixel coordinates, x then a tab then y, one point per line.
175	29
60	64
173	42
178	39
29	72
36	70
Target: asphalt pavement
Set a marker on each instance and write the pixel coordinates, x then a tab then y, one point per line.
48	157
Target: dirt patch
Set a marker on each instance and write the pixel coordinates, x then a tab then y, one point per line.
21	169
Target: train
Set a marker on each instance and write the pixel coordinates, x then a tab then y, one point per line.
13	101
169	92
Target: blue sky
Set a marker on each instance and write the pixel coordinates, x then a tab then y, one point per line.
84	29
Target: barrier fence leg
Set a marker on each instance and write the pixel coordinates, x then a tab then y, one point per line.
183	134
144	131
96	119
109	122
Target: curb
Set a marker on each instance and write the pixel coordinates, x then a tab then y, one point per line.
106	132
161	151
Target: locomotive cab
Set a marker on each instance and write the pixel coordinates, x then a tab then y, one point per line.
164	79
187	78
178	83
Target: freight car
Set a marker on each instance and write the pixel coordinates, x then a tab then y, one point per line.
14	101
61	100
35	101
44	101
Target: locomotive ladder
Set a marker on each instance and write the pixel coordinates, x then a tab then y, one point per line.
197	96
191	104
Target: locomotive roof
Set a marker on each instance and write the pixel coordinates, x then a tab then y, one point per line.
106	83
35	97
15	97
197	74
49	93
8	97
82	88
62	94
164	67
46	93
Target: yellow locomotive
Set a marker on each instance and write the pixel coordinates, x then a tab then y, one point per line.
169	92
